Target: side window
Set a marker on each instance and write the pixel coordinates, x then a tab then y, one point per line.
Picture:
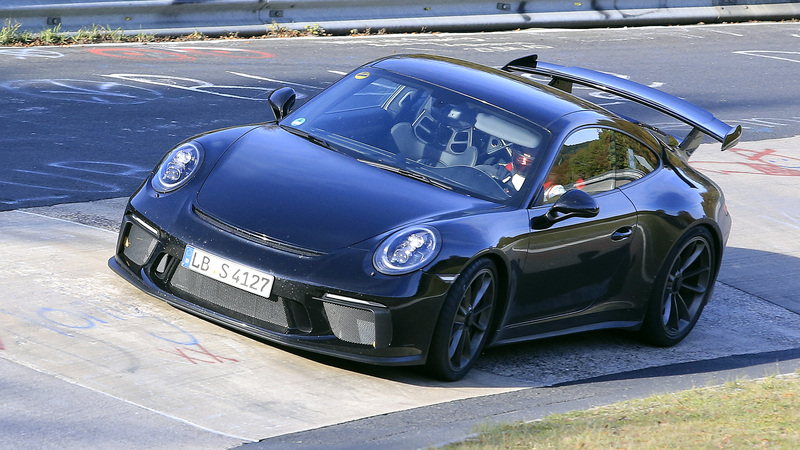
634	160
585	161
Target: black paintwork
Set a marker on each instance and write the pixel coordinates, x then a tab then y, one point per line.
287	205
269	181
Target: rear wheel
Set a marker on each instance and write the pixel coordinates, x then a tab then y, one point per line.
465	322
682	290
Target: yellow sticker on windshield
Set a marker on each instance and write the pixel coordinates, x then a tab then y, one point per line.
362	75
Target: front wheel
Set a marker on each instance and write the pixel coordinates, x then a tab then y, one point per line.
682	289
465	322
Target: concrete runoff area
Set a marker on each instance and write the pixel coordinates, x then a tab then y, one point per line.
761	181
65	313
73	333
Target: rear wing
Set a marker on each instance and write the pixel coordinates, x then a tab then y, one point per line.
701	121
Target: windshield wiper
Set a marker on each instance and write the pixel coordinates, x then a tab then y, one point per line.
311	138
407	173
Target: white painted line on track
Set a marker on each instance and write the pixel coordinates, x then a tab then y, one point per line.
725	32
256	77
771	54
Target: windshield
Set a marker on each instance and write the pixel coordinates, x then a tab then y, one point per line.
426	132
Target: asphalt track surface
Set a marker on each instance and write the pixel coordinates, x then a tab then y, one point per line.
89	361
87	122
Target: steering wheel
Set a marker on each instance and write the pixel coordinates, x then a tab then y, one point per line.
498	173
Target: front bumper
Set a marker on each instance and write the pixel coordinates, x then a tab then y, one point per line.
377	329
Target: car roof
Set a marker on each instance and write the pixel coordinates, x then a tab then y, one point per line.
527	98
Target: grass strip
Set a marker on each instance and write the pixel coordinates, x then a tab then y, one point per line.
743	414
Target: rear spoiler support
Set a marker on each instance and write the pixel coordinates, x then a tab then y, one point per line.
701	121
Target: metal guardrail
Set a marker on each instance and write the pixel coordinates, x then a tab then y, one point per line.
252	17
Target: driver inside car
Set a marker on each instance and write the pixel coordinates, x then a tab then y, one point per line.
512	171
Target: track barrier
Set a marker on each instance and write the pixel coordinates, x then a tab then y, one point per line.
253	17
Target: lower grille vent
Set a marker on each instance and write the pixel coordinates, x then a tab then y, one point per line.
229	301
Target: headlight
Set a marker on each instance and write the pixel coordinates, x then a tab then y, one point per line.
178	167
407	250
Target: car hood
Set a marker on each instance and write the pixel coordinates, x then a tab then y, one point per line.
290	190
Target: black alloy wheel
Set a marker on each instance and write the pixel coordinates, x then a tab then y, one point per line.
465	322
683	288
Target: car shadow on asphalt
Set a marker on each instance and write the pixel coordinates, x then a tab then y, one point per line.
767	275
698	367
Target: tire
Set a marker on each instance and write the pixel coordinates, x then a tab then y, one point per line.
465	322
682	289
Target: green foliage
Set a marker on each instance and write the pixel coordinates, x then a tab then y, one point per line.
196	36
276	30
114	35
52	36
26	37
8	34
594	159
144	37
11	35
740	414
88	35
315	30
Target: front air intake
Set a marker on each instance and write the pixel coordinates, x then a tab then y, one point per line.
230	301
138	245
353	325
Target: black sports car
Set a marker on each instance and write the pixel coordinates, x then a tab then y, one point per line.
423	207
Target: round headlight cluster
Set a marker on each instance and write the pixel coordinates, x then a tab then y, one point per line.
178	167
407	250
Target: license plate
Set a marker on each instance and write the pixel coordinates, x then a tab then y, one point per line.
228	272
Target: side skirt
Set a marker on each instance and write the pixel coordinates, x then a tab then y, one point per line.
631	325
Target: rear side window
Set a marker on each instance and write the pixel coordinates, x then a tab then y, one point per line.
634	160
585	162
597	160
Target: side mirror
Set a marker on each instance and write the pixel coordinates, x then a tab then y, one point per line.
282	101
574	203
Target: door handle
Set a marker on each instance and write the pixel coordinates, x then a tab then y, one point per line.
622	233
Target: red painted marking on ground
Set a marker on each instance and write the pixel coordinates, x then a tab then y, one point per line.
764	162
756	168
1	345
194	360
753	155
